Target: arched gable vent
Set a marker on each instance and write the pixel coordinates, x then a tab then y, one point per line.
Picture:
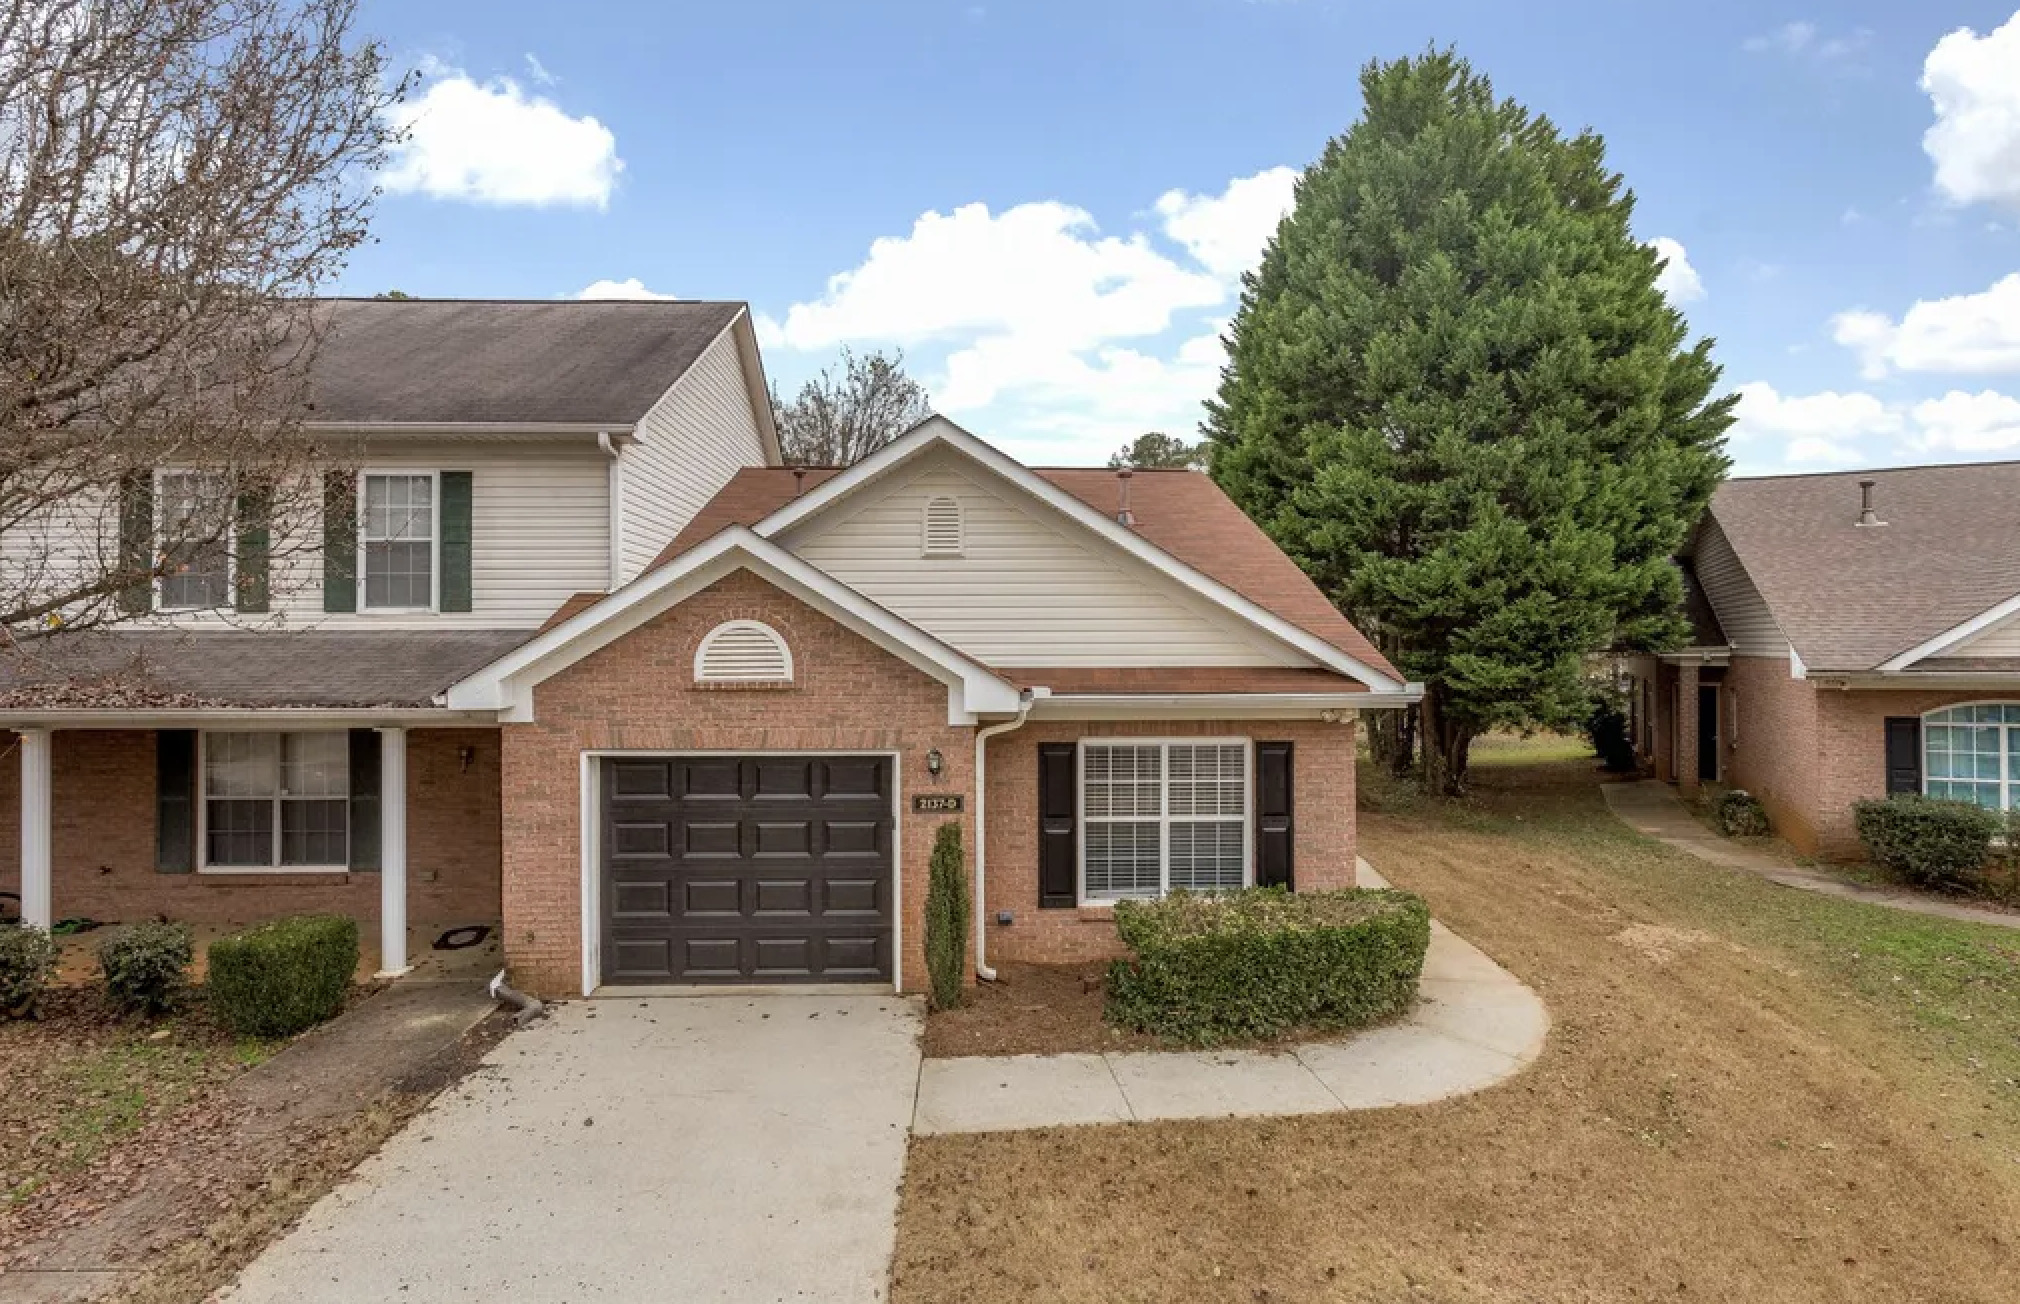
743	652
941	533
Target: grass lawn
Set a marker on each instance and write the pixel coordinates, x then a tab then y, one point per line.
1750	1093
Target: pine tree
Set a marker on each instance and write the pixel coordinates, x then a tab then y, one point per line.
1457	397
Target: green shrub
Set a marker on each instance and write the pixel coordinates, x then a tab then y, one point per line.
27	962
1606	729
1263	961
1739	814
279	978
947	919
1928	840
145	966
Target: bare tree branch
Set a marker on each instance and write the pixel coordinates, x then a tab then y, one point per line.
839	420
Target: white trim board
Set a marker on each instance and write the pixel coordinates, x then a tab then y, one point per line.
1949	638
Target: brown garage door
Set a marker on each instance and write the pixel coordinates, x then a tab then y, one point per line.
747	869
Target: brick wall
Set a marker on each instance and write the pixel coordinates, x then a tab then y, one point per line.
849	696
1324	826
102	817
1769	743
1852	754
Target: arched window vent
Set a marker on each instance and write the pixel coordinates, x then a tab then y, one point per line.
743	652
941	533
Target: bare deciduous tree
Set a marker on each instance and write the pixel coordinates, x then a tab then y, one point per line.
177	179
836	420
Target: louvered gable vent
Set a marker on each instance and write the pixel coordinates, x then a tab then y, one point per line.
743	652
942	528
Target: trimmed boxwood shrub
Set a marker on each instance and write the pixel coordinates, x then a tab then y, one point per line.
1930	841
27	962
1606	729
145	966
947	913
1261	962
1739	814
279	978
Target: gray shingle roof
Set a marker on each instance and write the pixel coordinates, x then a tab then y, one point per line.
310	668
1851	598
473	360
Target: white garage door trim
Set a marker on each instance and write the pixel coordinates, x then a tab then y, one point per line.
589	815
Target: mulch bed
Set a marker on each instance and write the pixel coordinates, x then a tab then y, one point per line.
1032	1009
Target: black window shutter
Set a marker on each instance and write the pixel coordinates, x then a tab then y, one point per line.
175	801
1058	817
340	541
365	799
1274	799
136	542
255	546
1904	754
456	493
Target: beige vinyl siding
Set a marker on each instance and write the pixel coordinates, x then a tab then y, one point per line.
1024	591
62	545
2000	640
1742	613
699	434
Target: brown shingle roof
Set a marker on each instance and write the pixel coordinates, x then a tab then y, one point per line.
480	360
1850	597
1183	512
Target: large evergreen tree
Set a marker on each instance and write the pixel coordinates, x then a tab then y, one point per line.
1456	396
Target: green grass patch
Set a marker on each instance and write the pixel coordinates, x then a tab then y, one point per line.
113	1092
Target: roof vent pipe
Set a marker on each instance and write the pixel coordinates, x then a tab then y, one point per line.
1122	512
1867	516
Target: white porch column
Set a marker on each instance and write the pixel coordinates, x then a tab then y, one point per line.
392	852
37	901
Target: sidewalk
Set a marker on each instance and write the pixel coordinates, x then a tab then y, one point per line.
1652	807
1475	1025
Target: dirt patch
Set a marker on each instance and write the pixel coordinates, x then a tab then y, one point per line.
1032	1009
1659	944
1737	1124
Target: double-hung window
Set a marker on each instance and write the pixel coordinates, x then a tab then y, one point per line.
276	800
1163	815
399	536
194	532
1972	753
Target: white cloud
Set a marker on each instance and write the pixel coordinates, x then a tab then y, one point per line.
1984	422
1226	233
1679	280
538	71
1805	40
1797	431
1789	38
1974	83
493	143
1967	333
630	288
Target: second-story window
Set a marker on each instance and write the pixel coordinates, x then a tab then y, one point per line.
195	540
399	541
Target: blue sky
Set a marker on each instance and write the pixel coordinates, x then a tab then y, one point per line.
1048	205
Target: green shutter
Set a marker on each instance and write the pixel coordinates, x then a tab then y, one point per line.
365	800
255	547
175	801
455	541
136	542
340	541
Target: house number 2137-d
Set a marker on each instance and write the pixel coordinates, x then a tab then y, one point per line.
936	803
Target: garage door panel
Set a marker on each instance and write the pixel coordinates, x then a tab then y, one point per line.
629	838
852	896
707	778
779	838
644	957
781	778
642	900
709	957
783	897
640	778
712	896
854	778
855	837
700	840
782	957
853	957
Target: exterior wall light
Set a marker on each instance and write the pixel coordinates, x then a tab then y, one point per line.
935	762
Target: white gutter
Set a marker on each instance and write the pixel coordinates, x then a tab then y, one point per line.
530	429
982	737
248	717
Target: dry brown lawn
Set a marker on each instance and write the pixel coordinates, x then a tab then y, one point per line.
1749	1094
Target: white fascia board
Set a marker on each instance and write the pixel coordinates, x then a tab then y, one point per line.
937	432
506	685
1950	638
1993	681
1797	670
251	719
1218	706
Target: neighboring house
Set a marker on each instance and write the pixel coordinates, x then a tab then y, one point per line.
731	766
1857	634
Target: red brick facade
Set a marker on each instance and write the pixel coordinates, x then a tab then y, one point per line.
103	838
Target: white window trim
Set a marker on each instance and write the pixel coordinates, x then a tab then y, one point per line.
158	542
1164	819
435	542
203	865
2009	780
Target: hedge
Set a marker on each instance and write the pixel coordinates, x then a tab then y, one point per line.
279	978
1739	814
145	965
1262	962
1606	729
27	962
1929	841
947	918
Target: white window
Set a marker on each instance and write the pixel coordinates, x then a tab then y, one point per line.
193	527
940	531
276	800
743	652
1159	815
1972	753
399	537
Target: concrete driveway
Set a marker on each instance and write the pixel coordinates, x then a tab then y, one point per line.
744	1147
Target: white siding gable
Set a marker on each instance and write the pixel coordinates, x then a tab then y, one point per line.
1742	613
1998	640
1028	588
699	434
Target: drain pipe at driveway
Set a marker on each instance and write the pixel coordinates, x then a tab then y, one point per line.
982	737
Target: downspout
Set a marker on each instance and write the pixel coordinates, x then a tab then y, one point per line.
614	516
982	737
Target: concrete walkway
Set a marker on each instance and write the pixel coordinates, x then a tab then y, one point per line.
1652	807
720	1147
1476	1025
